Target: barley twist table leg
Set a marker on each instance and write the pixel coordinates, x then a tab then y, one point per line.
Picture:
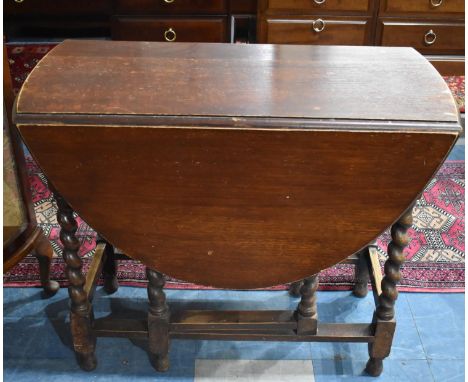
158	321
81	314
385	312
396	257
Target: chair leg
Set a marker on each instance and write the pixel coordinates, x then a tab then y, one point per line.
362	275
44	252
81	314
384	317
158	321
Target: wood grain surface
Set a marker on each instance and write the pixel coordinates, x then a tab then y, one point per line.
195	29
336	30
173	7
421	6
305	6
236	208
450	36
332	82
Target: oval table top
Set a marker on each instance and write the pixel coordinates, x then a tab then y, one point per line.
237	166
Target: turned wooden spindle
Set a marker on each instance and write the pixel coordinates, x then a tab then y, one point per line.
307	308
81	314
158	321
44	254
396	257
385	311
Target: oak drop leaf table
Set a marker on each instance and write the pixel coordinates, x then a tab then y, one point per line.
235	166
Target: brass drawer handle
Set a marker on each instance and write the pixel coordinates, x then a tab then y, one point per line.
319	2
168	1
19	1
318	25
436	3
170	35
430	37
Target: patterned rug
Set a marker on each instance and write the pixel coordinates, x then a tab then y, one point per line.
435	255
457	86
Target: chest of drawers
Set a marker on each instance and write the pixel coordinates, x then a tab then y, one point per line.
319	22
426	7
427	36
433	27
171	20
142	20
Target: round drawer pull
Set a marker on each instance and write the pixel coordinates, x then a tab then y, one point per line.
19	1
168	1
430	37
318	25
319	2
170	35
436	3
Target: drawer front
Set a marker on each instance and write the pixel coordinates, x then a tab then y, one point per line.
172	6
243	6
448	65
208	29
57	7
426	37
318	31
299	6
423	6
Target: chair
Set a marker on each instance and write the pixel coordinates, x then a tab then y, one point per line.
21	234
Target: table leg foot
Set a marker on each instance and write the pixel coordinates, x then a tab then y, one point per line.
374	367
360	290
86	361
50	287
111	285
362	275
160	363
